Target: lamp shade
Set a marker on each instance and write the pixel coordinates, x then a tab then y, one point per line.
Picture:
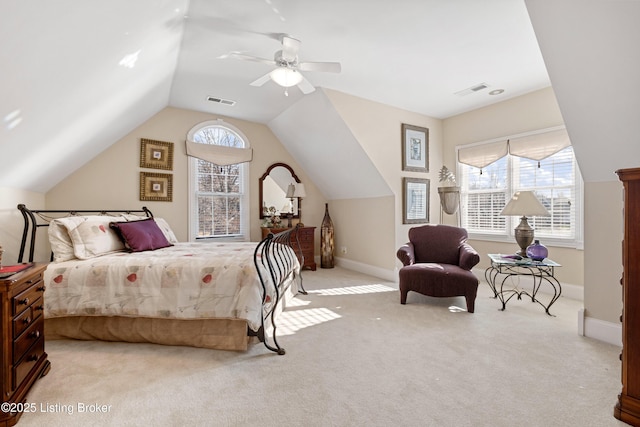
524	203
291	189
285	77
300	191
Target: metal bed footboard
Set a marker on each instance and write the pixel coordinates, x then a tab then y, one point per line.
274	254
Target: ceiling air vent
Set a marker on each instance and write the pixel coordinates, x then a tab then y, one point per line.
472	89
221	100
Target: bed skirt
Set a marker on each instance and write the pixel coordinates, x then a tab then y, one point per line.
220	334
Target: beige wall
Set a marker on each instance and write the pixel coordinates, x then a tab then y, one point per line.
111	180
12	224
377	127
534	111
603	225
361	226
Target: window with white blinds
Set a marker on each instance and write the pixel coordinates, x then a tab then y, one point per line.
218	197
555	181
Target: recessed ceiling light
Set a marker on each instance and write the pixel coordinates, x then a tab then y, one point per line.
496	92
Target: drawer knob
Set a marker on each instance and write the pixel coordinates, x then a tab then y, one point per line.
32	358
24	301
40	308
26	320
35	334
42	288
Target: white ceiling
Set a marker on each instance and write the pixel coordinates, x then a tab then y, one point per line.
80	74
411	54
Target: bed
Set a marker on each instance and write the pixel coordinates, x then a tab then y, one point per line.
123	276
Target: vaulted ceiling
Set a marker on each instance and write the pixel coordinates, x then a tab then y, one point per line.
80	74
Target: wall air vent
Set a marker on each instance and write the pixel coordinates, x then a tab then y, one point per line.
472	89
221	100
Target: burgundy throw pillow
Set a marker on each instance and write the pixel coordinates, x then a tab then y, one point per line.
141	236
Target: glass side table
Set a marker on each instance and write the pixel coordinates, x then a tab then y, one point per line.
503	268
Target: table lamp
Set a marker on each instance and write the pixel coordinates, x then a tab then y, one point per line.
299	194
294	191
526	204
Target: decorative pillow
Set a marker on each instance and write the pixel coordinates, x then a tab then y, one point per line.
162	223
60	242
91	235
141	236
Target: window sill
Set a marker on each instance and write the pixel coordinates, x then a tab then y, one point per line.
551	242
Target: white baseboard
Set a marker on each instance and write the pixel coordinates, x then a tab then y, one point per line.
382	273
602	331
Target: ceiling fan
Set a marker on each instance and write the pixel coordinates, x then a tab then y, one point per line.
287	71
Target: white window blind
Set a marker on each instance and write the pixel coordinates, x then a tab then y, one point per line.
554	178
483	155
540	145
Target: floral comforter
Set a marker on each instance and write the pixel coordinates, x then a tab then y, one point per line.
185	281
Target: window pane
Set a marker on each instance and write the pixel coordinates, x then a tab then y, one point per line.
553	180
493	176
219	188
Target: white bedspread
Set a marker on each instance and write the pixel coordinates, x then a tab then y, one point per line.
185	281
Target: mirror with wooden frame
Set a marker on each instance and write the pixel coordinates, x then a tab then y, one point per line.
273	190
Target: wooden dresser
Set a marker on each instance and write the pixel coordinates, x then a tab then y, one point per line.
307	243
627	408
22	345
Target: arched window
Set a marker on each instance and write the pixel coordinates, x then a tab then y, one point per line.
219	202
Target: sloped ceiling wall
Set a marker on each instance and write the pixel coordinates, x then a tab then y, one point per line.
120	55
317	137
591	52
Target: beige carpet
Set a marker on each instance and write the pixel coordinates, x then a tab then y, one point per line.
355	357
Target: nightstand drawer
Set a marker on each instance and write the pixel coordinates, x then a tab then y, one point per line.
30	359
27	317
24	299
26	340
305	236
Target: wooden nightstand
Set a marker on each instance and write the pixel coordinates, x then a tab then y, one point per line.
22	345
306	237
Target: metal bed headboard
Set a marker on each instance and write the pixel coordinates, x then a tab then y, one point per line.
34	219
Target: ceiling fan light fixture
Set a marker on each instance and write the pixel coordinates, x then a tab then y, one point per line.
285	77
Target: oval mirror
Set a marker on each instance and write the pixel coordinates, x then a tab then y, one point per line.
273	191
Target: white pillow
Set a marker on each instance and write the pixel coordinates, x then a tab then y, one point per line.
91	235
166	230
60	242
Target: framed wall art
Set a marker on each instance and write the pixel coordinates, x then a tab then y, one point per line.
156	154
415	200
415	148
156	187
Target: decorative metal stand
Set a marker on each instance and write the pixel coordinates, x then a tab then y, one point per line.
540	271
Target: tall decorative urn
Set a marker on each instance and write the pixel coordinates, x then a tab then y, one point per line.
326	240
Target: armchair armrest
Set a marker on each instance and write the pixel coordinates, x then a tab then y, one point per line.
468	257
406	254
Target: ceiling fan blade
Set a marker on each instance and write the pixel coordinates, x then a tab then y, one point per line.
243	57
329	67
305	86
290	47
261	80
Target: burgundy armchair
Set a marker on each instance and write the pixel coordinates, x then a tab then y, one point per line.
437	262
